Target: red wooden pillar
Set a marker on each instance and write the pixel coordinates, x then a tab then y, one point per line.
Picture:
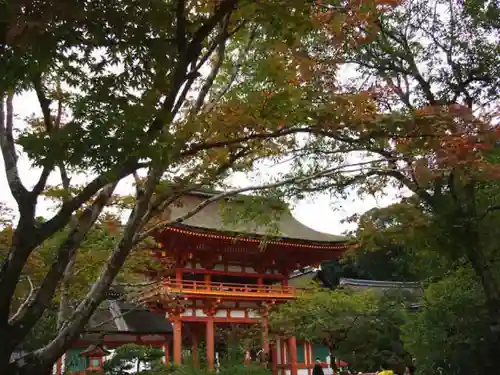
292	347
210	340
274	359
59	366
177	341
282	356
308	357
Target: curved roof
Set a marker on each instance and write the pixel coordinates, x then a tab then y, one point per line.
414	287
129	319
213	217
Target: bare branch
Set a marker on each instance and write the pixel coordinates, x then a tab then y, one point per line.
233	141
23	306
100	324
50	128
491	208
42	181
186	58
181	26
221	51
68	208
214	45
44	102
236	70
223	9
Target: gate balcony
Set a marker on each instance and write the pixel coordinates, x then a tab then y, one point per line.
201	289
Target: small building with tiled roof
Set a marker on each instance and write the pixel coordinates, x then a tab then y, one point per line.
113	324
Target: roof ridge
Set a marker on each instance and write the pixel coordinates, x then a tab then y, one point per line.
387	283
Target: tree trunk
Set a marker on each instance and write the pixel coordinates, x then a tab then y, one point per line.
484	270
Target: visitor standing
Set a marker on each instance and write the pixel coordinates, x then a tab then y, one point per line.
318	370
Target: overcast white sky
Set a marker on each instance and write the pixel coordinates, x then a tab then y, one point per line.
319	213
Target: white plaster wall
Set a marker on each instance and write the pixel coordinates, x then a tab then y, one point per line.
199	312
300	371
237	314
188	312
221	314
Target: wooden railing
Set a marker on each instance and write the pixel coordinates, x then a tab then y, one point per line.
190	287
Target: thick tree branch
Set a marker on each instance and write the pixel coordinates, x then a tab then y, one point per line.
163	200
44	102
42	181
181	26
187	58
19	192
68	271
224	8
68	208
221	52
236	69
94	297
50	127
65	253
490	209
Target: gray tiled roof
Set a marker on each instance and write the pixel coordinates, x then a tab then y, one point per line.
137	320
210	218
415	288
380	283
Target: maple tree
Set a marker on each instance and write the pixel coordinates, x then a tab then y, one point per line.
450	334
419	115
177	93
409	237
359	327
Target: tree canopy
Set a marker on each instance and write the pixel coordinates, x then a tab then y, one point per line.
451	333
175	94
359	327
420	117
